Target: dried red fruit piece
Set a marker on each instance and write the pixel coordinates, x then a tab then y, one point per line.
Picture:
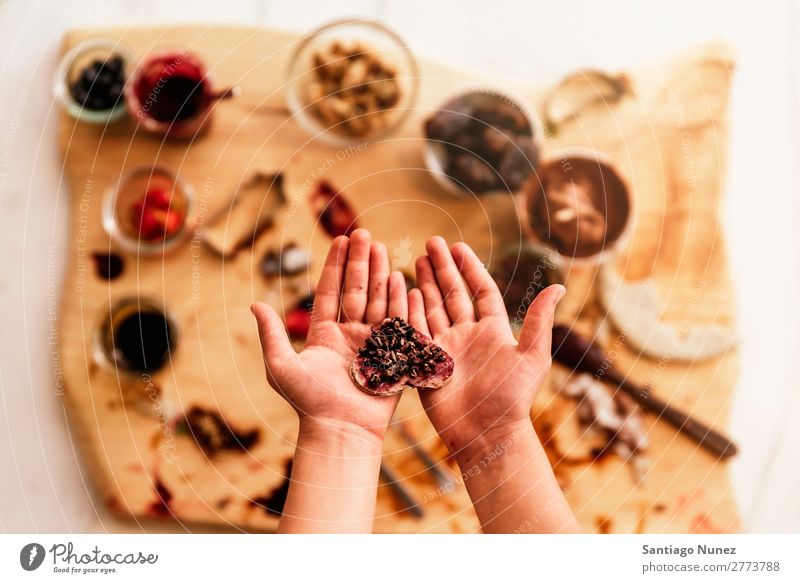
157	215
158	197
396	356
213	434
298	319
333	211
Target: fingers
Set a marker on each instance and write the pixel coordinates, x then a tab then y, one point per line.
378	275
456	297
398	298
356	277
416	311
537	330
435	313
275	344
326	296
488	299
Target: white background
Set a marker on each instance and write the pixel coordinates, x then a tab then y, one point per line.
41	486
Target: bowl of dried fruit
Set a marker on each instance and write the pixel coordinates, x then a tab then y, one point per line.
148	211
351	81
90	79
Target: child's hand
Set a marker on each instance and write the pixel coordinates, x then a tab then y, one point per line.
338	455
483	413
316	382
495	378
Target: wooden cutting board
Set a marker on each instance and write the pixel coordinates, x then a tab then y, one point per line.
142	468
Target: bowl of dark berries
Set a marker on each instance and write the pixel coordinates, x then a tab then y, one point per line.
90	81
482	141
148	211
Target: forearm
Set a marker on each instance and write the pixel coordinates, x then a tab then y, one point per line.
334	479
512	485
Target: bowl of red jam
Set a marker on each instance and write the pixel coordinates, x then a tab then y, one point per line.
172	93
148	211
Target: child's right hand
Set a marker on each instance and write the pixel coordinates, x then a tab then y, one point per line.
488	401
483	414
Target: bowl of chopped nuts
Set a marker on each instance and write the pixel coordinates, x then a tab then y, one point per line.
351	81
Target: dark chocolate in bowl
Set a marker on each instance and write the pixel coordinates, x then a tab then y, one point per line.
137	337
578	230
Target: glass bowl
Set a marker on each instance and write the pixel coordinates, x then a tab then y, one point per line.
71	67
152	99
460	104
304	85
126	226
138	336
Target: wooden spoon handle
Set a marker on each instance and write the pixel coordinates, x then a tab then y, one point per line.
580	354
708	438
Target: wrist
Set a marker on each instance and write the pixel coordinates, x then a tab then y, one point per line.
338	438
490	445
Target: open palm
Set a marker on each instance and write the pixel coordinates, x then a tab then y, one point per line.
355	291
496	378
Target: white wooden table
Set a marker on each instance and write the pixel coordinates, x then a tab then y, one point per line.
42	487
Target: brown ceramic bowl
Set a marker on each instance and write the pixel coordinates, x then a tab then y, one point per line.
568	176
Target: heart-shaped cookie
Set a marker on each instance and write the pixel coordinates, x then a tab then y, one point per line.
397	356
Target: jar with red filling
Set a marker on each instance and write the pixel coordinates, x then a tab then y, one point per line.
148	211
172	93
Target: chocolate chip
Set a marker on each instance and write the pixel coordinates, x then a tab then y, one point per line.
109	266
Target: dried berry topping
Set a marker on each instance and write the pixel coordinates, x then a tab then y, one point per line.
213	434
395	350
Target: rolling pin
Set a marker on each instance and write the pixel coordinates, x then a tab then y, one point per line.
580	354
